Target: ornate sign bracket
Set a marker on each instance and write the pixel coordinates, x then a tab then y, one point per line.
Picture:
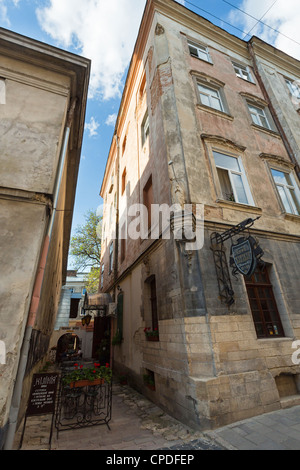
244	256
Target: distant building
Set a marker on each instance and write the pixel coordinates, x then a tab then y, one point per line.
197	127
43	93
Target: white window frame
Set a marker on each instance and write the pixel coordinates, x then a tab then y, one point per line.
259	112
286	188
145	128
202	51
209	95
241	173
293	87
243	71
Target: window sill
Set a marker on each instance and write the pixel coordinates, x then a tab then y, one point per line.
276	338
238	206
266	131
215	111
245	80
202	60
293	217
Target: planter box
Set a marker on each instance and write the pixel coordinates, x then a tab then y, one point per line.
86	383
152	338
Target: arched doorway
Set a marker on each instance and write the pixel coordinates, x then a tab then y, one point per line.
68	346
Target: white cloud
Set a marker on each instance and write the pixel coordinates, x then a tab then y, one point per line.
111	120
3	10
92	127
284	16
103	31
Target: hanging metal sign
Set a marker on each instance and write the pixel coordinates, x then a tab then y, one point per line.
243	256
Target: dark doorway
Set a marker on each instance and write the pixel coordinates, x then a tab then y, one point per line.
68	346
74	308
101	340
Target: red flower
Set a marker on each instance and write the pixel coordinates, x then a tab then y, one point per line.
94	372
107	364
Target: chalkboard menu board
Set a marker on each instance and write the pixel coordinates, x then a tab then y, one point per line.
42	395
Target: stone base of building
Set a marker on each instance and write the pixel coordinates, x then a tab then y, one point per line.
3	432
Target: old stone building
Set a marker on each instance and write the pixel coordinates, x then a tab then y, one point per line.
196	129
43	92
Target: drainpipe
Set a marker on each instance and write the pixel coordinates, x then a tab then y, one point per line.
16	399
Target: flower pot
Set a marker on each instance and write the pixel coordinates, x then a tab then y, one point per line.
151	387
152	338
86	383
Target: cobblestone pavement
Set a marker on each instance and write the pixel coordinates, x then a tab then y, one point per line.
136	424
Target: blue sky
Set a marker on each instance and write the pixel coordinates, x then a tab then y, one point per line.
105	32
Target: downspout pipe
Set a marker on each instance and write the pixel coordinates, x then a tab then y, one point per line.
35	301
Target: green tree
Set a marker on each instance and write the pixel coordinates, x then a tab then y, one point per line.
85	249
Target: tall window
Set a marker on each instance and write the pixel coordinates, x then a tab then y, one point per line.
211	97
259	116
124	181
263	305
242	71
111	257
102	276
148	199
232	178
123	243
199	51
288	191
145	128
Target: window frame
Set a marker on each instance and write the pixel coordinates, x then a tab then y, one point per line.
201	49
145	128
258	298
264	114
241	173
286	189
213	88
111	257
242	67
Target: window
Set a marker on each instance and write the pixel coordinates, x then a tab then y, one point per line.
210	97
123	243
148	199
242	71
293	87
199	51
232	179
111	257
263	305
145	128
124	145
153	300
120	304
288	191
102	277
259	116
124	180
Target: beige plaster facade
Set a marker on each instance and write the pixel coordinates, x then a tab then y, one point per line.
42	109
212	365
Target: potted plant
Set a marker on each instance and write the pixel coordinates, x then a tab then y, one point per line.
117	339
151	334
82	377
149	381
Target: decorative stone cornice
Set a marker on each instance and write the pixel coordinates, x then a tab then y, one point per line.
277	159
217	139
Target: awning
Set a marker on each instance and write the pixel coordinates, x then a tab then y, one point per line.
96	301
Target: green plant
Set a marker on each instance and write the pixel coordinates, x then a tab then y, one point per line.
149	332
91	373
117	339
148	380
